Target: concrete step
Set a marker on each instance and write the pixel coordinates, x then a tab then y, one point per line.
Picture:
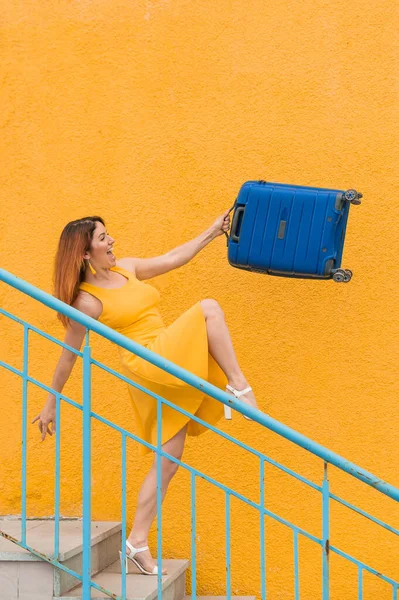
138	587
25	576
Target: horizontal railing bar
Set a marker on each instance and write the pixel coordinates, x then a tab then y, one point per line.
202	385
57	564
364	514
221	433
207	478
203	476
98	587
240	497
139	440
93	414
115	427
12	369
298	530
178	408
46	388
363	565
80	407
41	333
226	436
198	473
41	385
41	555
244	446
292	473
182	411
208	425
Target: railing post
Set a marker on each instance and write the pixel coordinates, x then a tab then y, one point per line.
193	538
326	534
123	515
262	529
228	548
24	432
57	477
296	565
86	566
159	496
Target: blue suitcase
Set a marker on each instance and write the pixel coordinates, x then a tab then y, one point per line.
290	230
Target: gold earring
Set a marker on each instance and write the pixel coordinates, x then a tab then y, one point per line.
92	269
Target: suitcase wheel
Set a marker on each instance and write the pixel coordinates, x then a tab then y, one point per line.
342	275
353	196
339	275
348	275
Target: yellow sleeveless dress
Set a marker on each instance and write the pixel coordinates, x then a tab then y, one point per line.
133	311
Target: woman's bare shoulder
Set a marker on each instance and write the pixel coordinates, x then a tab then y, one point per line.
127	263
88	304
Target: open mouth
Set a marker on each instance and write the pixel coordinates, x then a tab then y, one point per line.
109	252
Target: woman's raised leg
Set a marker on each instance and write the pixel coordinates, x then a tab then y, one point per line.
147	498
221	348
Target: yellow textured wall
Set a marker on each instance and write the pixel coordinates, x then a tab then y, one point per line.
152	114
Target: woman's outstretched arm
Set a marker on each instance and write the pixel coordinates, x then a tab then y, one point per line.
146	268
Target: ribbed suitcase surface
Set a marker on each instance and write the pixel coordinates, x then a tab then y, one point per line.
290	230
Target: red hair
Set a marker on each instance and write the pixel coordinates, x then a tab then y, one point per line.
69	266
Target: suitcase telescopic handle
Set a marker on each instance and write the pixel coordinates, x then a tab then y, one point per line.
236	220
226	233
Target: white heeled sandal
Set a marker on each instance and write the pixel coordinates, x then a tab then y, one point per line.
237	394
130	556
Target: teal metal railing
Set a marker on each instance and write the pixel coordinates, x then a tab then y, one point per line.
328	457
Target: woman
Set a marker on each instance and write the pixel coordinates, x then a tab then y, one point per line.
89	278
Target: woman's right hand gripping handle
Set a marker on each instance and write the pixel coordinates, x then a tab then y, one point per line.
73	337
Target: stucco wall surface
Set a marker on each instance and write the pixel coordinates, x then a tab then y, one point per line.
152	114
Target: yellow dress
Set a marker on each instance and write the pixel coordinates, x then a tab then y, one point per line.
133	311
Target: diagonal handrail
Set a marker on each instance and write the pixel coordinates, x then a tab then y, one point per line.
265	420
209	389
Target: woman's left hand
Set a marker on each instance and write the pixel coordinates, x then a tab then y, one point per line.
222	224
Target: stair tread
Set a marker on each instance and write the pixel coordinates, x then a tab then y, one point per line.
138	587
40	536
